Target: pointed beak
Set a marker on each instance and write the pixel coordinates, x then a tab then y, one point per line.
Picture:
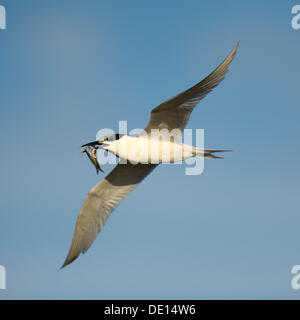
94	143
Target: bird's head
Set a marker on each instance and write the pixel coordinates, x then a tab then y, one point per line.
91	148
104	141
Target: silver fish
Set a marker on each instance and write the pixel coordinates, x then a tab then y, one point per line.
91	152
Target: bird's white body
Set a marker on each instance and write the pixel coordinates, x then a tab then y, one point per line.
147	149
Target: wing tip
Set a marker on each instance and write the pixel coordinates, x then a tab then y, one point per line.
66	262
73	254
69	260
233	52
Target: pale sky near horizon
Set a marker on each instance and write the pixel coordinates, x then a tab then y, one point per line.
70	68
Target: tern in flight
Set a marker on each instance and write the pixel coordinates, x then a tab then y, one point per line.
124	178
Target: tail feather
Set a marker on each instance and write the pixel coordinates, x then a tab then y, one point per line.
209	153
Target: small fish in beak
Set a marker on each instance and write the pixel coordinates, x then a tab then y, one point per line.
91	152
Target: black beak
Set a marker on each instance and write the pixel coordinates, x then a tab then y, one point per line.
94	143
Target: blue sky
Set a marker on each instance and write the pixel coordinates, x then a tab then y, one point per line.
70	68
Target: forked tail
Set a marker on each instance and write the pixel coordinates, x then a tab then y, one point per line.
208	153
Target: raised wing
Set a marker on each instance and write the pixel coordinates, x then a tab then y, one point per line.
175	113
101	201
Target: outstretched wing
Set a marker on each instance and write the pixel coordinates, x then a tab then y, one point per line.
101	201
175	113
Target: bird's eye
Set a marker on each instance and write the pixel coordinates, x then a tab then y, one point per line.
94	151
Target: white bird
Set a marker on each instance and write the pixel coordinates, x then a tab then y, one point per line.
124	178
